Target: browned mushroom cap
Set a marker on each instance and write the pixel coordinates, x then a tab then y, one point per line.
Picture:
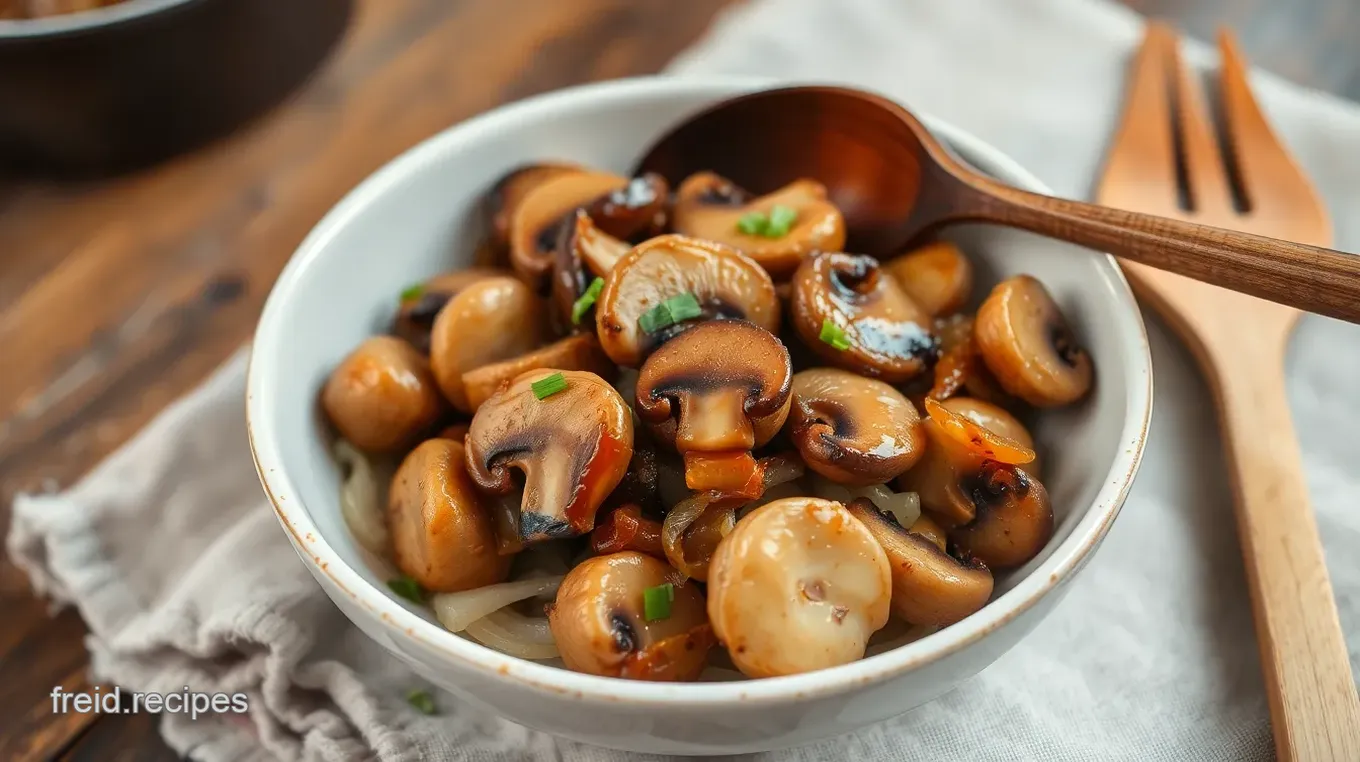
710	207
888	336
600	623
578	352
725	282
491	320
420	304
382	396
584	253
928	585
510	191
957	448
536	224
1027	344
1014	517
720	387
851	429
442	535
572	449
938	277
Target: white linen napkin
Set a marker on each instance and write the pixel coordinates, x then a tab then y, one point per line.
174	559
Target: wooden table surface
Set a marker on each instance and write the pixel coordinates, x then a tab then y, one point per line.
117	297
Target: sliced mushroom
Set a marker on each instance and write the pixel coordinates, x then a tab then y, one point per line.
888	336
799	585
716	391
928	585
851	429
442	535
621	207
938	277
488	321
578	352
536	224
600	623
725	282
584	253
382	396
571	448
1014	517
928	529
419	306
511	190
709	206
1027	344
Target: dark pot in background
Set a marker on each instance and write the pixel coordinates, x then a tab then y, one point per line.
122	87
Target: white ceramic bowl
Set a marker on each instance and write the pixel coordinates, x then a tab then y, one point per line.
417	217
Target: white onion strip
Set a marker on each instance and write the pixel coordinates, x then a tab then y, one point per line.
531	629
361	499
510	641
904	506
458	610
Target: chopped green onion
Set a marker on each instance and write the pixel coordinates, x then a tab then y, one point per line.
833	335
407	588
683	307
781	220
656	601
412	292
422	701
753	223
549	385
655	319
587	300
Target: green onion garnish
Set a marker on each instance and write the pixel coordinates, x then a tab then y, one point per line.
833	335
656	601
587	300
549	385
753	223
781	220
422	701
676	309
407	588
412	292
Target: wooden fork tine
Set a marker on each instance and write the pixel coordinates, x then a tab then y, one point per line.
1141	163
1210	195
1276	188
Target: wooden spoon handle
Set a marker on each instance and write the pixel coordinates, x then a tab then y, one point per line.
1306	277
1314	707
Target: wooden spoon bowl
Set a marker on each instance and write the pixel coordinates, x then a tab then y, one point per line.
896	183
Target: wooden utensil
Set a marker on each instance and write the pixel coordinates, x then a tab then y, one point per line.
895	183
1240	343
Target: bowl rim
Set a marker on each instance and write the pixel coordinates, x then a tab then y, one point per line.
87	20
401	623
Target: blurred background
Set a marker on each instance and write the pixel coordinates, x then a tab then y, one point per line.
160	160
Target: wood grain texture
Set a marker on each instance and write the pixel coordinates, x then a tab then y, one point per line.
1241	342
118	297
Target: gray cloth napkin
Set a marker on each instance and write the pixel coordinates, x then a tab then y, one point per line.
174	559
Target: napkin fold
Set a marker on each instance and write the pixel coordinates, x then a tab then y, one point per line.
175	560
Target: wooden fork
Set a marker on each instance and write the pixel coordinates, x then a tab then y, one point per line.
1166	160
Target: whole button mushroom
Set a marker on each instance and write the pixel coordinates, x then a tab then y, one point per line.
929	586
851	429
853	316
668	269
938	277
382	396
948	476
442	534
1014	517
714	393
571	446
420	304
799	585
709	206
601	625
1027	344
488	321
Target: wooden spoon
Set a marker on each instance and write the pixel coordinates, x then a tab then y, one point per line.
895	183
